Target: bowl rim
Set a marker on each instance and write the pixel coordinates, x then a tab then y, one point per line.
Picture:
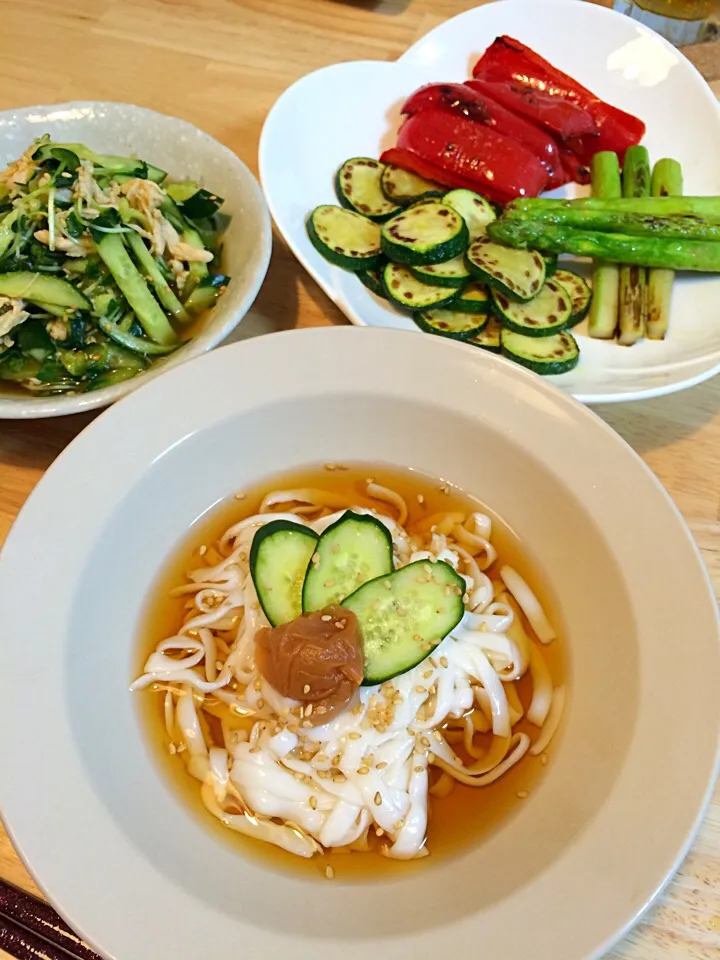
467	371
27	407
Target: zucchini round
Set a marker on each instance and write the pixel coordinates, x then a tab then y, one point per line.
519	274
544	355
473	298
403	187
355	549
579	292
279	558
489	337
544	316
452	273
448	323
429	232
408	293
405	615
474	209
551	264
358	188
372	279
346	239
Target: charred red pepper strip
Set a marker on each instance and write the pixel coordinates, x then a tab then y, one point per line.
407	160
576	170
499	167
561	118
481	108
511	61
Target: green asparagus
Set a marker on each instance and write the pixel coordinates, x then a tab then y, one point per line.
633	279
632	224
667	181
698	255
606	281
706	207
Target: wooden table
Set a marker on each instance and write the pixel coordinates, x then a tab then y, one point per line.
221	64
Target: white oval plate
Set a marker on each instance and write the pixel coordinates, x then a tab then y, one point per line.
114	847
352	109
187	153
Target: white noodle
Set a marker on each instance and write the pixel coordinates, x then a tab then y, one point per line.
529	604
551	724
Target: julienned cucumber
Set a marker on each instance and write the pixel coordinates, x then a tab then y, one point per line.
404	187
430	232
39	286
474	298
358	187
544	316
408	293
448	323
355	549
519	274
405	615
452	273
474	209
346	239
579	292
544	355
279	558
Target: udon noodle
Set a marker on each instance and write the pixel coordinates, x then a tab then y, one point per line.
266	772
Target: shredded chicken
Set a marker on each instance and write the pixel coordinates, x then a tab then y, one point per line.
5	344
146	197
19	173
181	273
73	248
12	314
87	189
58	329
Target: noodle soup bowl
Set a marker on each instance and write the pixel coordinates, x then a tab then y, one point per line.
120	853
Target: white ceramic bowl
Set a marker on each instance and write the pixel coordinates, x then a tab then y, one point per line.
616	57
186	153
117	851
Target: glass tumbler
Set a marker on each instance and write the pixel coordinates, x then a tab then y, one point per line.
679	21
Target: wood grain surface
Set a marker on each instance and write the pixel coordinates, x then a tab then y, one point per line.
221	64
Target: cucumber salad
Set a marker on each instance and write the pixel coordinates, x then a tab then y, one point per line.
105	264
426	251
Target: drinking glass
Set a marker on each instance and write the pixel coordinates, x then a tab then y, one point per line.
680	21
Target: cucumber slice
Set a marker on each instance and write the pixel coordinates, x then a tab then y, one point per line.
429	232
401	186
39	286
579	292
452	273
346	239
474	209
519	274
474	298
372	279
408	293
489	336
544	316
279	558
551	264
448	323
543	355
405	615
355	549
357	185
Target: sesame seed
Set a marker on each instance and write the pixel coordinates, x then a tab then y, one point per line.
448	590
379	832
329	466
240	496
522	795
424	741
306	723
202	550
418	769
420	498
377	799
544	759
321	758
260	703
306	688
321	709
329	873
431	757
340	624
417	638
254	750
324	774
326	618
381	765
313	803
336	760
426	646
354	735
444	662
438	736
335	548
420	689
172	748
357	709
397	827
388	585
338	776
308	710
427	674
363	771
329	583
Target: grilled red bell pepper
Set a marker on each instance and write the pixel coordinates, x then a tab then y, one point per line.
499	168
407	160
483	109
561	118
576	170
510	61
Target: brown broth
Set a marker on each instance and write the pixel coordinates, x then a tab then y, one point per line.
470	814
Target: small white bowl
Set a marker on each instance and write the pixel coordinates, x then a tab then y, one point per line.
116	849
187	154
